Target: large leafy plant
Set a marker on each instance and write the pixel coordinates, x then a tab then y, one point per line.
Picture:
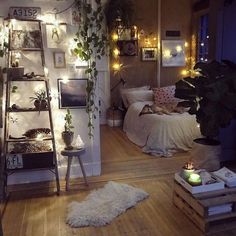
211	96
91	44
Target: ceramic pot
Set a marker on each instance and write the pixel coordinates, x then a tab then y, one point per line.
68	137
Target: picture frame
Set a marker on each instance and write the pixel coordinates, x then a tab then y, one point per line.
25	39
56	35
173	53
59	59
128	47
72	93
149	53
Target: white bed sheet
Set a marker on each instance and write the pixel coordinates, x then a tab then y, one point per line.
160	135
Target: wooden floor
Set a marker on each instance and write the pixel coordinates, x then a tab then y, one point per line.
35	212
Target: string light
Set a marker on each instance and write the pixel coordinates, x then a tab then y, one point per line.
116	52
116	66
115	37
179	48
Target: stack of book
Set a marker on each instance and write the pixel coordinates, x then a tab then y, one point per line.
228	176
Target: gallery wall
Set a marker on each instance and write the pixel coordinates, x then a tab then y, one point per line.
175	16
91	157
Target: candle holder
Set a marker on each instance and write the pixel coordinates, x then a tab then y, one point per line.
195	179
187	170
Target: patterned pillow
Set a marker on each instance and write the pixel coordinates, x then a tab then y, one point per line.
164	95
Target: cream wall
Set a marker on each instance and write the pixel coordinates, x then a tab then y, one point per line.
91	158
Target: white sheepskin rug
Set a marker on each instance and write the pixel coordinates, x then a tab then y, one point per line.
103	205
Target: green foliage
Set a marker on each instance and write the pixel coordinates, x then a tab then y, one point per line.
122	9
39	95
68	122
210	96
91	46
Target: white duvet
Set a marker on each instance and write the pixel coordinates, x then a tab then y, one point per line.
160	135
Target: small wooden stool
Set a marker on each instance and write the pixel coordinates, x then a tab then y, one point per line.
70	154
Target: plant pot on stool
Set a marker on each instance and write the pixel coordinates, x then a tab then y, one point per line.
206	154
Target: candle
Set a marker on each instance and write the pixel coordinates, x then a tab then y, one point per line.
187	170
195	179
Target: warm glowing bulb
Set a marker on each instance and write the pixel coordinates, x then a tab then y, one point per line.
45	71
155	39
65	79
116	52
179	48
116	66
186	44
184	72
115	37
167	53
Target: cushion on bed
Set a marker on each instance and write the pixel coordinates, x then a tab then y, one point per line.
124	91
164	95
139	96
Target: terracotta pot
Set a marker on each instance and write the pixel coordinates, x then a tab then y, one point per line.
37	104
43	104
68	137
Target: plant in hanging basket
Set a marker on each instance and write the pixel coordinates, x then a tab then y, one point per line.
40	100
68	134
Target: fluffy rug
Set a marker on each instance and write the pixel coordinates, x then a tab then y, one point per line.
103	205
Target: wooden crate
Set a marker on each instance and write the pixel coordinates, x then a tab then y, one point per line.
196	208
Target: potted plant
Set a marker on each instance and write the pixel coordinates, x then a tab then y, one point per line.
40	100
68	134
211	96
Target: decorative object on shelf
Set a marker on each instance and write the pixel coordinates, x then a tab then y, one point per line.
72	93
149	54
187	170
24	13
15	72
91	45
14	89
30	147
173	53
68	134
59	59
195	179
40	100
35	133
128	47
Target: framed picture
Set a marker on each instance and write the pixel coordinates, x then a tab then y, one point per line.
149	54
56	35
72	93
25	39
128	47
59	59
173	53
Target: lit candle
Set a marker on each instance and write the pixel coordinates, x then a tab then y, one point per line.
195	179
187	170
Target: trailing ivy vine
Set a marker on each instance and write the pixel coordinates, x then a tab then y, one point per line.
91	42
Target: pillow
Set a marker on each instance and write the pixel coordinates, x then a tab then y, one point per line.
139	96
124	91
165	95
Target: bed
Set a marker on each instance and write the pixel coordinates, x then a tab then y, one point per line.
159	135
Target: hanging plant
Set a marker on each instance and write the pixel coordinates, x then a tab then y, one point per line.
91	46
119	9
